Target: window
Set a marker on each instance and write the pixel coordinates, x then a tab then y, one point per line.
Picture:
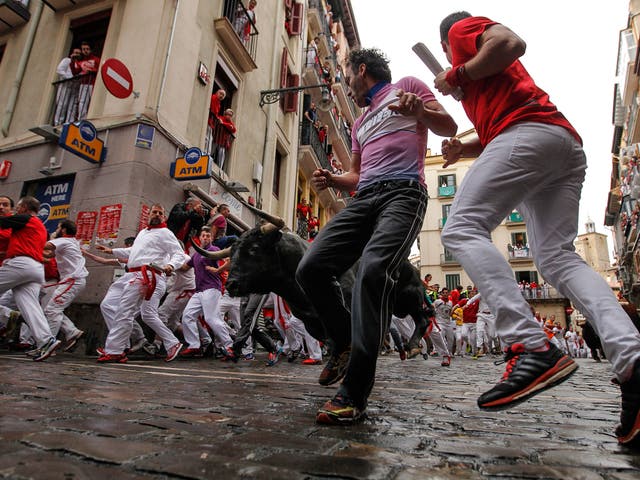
445	214
527	276
219	138
277	170
288	101
452	281
446	185
519	239
293	21
2	47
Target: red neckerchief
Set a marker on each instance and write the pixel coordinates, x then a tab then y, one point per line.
160	225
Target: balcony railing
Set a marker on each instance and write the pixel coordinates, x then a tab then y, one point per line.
516	254
447	191
219	141
448	259
73	96
541	293
243	22
309	136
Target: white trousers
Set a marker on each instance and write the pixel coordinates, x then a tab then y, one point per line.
206	303
131	301
448	332
538	169
61	296
485	330
24	275
170	311
110	304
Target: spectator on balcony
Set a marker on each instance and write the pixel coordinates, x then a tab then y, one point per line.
303	211
244	20
215	105
322	136
224	137
311	114
326	73
67	94
86	66
312	226
339	74
312	53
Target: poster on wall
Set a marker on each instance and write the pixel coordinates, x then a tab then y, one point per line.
144	217
109	224
55	198
86	224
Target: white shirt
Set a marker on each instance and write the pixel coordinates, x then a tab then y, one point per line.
69	258
64	68
182	280
156	245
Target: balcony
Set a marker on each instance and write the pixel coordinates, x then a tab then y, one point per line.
57	5
514	218
446	191
546	292
239	34
12	15
519	255
447	260
73	96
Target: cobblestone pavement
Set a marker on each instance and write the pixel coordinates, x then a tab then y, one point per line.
70	418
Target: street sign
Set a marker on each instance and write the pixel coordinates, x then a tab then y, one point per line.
192	166
82	139
116	77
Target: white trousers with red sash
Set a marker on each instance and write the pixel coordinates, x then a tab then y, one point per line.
205	303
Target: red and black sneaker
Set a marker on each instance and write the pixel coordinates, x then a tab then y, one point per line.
629	428
340	410
191	353
113	358
526	374
336	368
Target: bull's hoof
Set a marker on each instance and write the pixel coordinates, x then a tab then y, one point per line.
414	352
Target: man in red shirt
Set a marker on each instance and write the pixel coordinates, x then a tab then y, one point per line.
87	66
23	273
530	157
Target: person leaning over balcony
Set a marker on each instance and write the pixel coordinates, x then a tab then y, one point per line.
87	66
244	19
378	226
224	139
529	156
215	105
67	94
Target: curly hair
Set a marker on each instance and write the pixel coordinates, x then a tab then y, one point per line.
376	62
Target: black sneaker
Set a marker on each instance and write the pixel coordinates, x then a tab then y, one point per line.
526	374
335	368
629	428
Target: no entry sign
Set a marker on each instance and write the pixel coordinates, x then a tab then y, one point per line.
116	78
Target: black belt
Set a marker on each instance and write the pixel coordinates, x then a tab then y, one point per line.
387	184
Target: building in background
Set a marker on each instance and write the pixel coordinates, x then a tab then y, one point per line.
623	207
179	53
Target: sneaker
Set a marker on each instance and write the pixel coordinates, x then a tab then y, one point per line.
446	361
403	354
526	374
207	350
151	348
293	355
336	368
113	358
229	354
173	352
100	351
340	410
72	340
22	347
249	356
47	350
138	345
311	361
629	428
191	353
273	357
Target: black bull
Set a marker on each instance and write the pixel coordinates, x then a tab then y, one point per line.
264	259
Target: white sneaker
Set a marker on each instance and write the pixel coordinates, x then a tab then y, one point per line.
47	350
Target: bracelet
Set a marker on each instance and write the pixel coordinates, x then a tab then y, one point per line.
458	76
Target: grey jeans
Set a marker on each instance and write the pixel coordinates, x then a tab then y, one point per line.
538	169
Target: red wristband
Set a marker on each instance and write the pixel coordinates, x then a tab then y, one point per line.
457	76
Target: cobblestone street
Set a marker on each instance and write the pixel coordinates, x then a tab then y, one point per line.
70	418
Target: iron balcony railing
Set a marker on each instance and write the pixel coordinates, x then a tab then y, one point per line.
73	96
219	141
309	136
243	22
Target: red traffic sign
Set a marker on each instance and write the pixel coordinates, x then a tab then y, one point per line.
116	77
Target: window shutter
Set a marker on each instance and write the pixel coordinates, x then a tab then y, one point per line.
288	4
296	19
283	68
291	99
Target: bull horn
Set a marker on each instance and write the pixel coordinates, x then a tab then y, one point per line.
268	228
217	255
277	221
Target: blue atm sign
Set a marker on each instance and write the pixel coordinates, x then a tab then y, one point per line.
82	139
192	166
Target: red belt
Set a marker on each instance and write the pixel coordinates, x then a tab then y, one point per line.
148	278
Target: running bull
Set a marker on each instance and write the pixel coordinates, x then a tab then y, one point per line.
265	258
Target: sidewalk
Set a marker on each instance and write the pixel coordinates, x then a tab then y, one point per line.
71	418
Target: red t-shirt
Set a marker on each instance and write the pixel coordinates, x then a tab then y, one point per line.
495	103
5	235
28	241
470	314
